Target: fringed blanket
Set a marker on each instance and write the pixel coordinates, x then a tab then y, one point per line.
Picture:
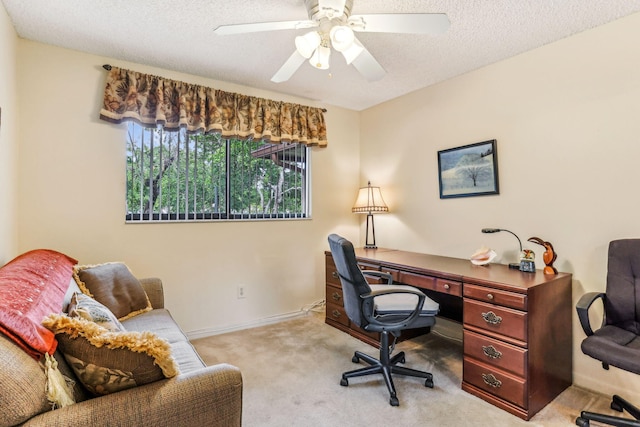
33	286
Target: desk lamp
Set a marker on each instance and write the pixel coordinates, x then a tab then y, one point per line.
369	201
514	265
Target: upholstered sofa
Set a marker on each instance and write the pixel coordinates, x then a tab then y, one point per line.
194	395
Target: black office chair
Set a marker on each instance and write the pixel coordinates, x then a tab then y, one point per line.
387	309
617	341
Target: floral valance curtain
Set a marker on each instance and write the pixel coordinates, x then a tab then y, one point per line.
153	101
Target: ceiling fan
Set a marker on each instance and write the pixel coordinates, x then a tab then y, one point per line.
333	26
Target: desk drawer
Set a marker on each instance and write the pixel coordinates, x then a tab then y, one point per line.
495	319
367	266
496	382
449	287
495	353
334	296
375	280
395	274
337	314
495	296
331	274
434	284
418	280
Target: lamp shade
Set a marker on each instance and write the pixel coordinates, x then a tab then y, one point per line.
307	44
369	200
341	37
320	58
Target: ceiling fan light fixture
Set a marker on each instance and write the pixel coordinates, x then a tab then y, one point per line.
320	58
308	43
331	26
342	37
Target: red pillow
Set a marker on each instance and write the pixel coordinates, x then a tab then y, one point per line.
33	286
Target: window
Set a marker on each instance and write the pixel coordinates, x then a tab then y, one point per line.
175	176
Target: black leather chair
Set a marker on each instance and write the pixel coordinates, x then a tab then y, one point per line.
617	341
387	309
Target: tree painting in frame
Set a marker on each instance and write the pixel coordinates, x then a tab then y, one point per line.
470	170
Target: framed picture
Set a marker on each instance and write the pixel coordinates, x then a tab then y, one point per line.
470	170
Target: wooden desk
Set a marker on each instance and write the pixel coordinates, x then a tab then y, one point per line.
517	326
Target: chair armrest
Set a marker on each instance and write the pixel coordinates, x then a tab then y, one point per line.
379	275
210	396
153	287
582	307
368	305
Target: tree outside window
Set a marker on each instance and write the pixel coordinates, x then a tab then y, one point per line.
175	176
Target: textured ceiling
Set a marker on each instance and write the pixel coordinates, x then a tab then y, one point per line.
179	36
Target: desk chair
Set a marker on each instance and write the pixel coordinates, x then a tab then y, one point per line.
617	341
387	309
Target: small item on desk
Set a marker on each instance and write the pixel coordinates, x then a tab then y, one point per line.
527	261
483	256
549	255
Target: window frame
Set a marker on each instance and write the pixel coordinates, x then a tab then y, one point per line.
190	217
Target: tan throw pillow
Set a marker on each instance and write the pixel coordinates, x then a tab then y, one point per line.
84	306
113	285
106	362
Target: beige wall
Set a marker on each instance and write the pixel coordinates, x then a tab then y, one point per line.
72	199
566	119
8	138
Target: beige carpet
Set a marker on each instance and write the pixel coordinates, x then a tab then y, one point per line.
291	372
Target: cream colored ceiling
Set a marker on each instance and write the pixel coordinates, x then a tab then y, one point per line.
178	35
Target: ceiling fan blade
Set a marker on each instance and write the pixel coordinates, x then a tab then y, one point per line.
367	65
224	30
288	68
411	23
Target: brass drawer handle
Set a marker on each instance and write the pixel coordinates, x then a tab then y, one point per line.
336	313
491	380
490	296
334	274
336	296
491	352
491	318
447	286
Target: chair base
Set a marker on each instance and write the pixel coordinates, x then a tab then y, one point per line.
618	404
386	366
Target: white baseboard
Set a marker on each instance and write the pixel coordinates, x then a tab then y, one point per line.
620	382
207	332
444	327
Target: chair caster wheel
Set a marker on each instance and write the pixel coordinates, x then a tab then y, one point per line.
355	359
428	383
615	406
394	401
581	422
344	382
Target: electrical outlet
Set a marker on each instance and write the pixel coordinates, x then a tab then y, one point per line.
242	291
